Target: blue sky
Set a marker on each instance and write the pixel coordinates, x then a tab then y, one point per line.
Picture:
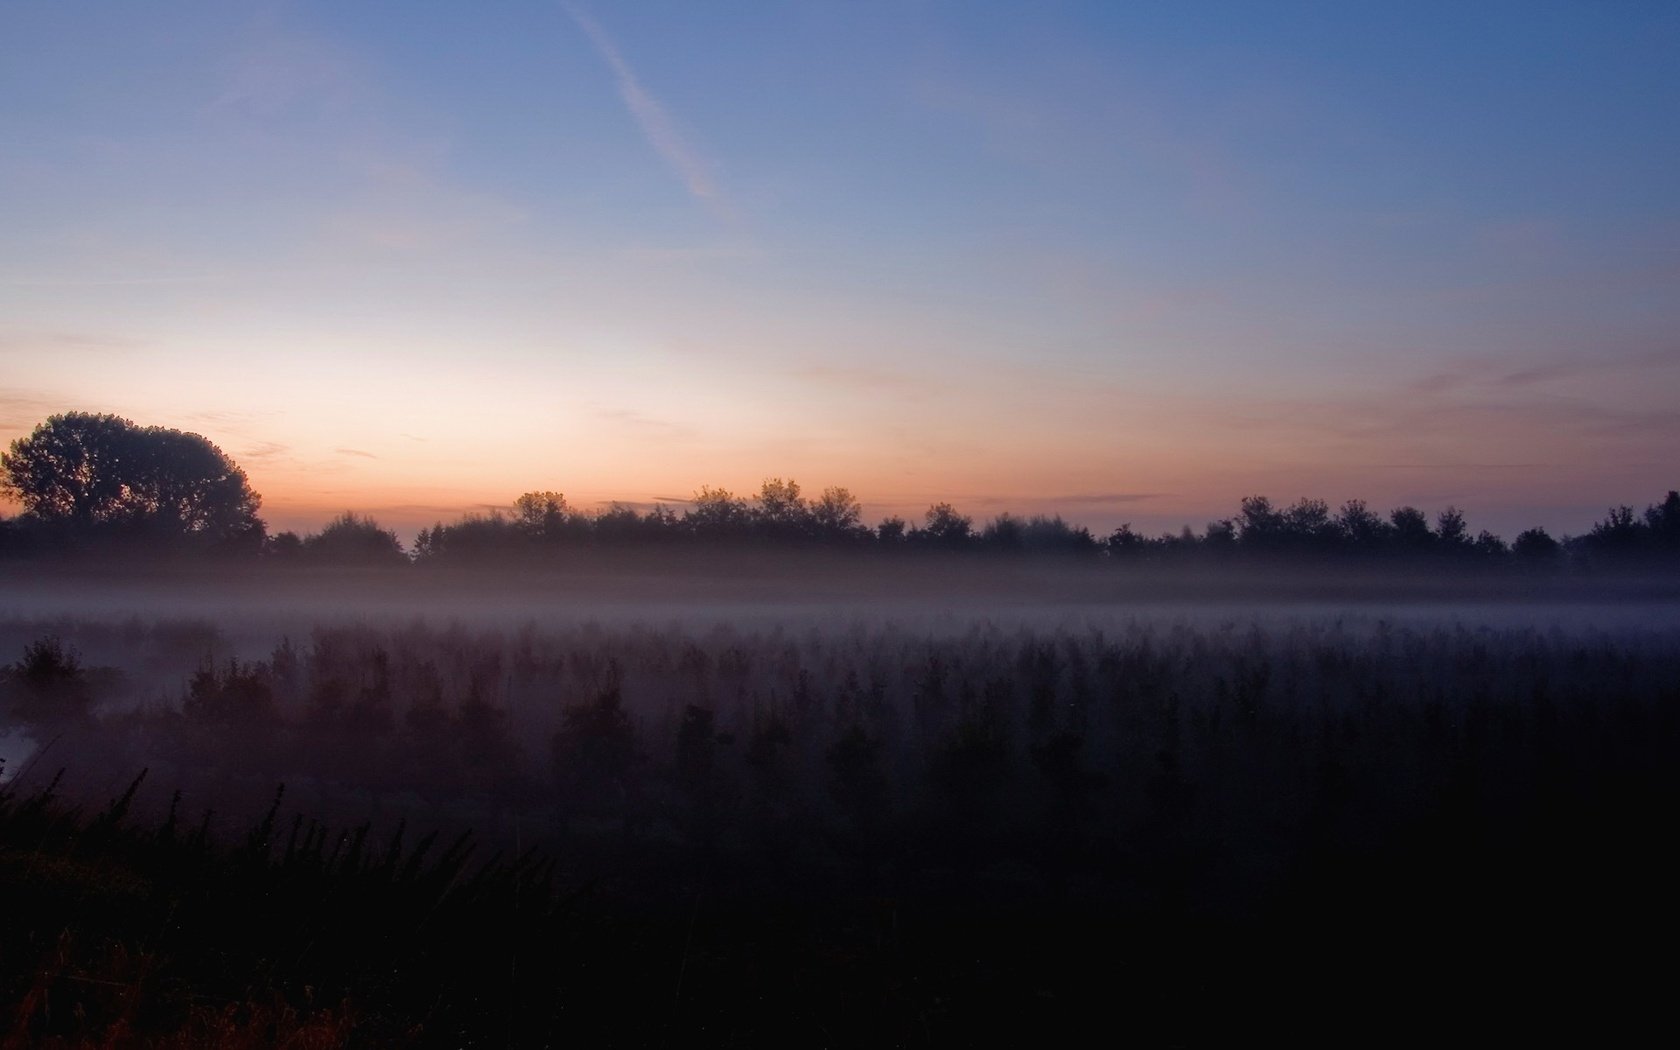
1125	262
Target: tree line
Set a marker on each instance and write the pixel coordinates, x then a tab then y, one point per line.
779	515
99	482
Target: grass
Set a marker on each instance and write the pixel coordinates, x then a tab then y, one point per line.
849	835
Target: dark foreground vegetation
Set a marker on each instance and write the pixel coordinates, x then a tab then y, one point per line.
865	835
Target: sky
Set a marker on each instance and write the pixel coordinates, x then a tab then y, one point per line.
1121	262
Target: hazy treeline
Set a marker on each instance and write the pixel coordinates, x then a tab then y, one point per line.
780	515
100	484
542	525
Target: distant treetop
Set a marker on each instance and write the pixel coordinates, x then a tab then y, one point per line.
102	473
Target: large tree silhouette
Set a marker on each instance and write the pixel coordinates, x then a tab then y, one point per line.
84	471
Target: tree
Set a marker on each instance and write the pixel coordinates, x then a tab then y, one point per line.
622	523
353	539
891	531
48	687
716	513
1490	546
476	537
946	528
84	471
1451	531
1362	527
1410	528
1663	519
1052	535
1536	545
1619	533
837	514
1259	524
1125	542
1003	533
1220	536
541	515
781	510
1307	525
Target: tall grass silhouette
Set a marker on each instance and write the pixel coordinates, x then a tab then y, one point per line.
869	831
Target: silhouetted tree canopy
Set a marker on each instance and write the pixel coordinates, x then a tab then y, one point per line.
1125	542
478	537
1451	531
82	473
541	515
944	527
837	515
1411	528
88	472
782	511
1361	526
891	531
352	539
1308	524
1003	533
717	512
1052	535
1536	545
1307	529
1663	519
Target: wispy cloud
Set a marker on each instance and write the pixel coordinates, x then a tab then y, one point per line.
263	451
355	452
650	115
111	282
646	424
1481	376
441	509
1455	465
699	254
225	418
55	342
1475	414
1084	500
861	378
1580	365
278	69
22	410
1099	498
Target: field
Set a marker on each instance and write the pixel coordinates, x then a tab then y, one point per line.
831	823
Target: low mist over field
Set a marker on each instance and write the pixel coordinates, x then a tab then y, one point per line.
909	800
886	792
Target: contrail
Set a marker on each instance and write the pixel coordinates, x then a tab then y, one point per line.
649	114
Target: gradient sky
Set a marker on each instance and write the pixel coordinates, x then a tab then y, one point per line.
1127	262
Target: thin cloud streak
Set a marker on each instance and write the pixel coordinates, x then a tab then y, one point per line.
1094	499
662	429
110	282
864	379
1107	497
265	451
649	113
66	341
